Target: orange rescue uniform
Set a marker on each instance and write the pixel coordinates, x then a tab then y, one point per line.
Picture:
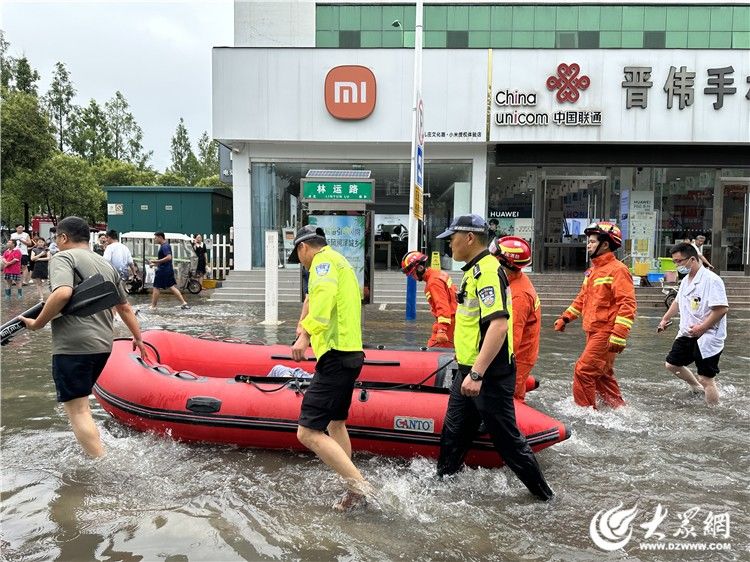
441	294
527	324
607	303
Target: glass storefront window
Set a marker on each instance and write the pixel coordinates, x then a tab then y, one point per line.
684	203
447	186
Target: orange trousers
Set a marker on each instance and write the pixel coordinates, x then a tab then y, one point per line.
523	370
594	373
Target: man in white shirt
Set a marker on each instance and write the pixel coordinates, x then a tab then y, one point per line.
119	256
702	305
23	243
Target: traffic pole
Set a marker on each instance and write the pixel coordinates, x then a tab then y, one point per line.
411	284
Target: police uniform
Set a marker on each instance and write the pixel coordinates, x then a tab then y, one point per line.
484	296
334	325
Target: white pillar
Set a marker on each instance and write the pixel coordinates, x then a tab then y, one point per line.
241	213
272	278
479	182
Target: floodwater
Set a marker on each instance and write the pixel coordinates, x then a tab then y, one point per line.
154	499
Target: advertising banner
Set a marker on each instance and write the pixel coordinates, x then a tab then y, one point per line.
346	235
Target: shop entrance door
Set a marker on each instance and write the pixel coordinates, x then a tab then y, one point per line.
735	239
571	203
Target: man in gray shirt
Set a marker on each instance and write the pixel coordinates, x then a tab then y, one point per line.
80	344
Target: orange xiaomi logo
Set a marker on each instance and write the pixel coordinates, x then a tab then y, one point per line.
350	92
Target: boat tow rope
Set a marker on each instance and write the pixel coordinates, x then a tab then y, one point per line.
298	385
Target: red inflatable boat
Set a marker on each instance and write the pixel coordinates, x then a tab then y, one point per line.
205	391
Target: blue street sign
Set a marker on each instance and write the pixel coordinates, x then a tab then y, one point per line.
420	165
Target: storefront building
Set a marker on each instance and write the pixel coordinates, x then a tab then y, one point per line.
541	116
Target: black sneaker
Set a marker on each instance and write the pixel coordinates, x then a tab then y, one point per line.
185	307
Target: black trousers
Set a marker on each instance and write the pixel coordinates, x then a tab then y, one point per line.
494	407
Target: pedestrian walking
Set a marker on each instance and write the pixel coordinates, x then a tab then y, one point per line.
164	279
441	296
514	254
118	254
702	305
483	389
101	244
607	303
333	328
81	345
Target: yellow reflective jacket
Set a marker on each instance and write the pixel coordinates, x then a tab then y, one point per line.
484	296
335	310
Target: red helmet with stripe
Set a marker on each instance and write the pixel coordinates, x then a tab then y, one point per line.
513	252
608	231
411	261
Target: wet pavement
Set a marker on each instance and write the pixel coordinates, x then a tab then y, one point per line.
155	499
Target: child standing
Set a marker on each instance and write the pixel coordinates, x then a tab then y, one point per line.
12	269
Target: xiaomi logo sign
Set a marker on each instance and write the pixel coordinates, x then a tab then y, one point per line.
350	92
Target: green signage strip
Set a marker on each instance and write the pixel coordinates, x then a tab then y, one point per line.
337	190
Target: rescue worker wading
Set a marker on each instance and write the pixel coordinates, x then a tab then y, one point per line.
514	253
333	327
607	302
483	389
440	293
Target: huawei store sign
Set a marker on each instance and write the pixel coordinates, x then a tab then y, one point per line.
350	92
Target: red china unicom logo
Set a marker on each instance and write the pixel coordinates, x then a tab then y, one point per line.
567	82
350	92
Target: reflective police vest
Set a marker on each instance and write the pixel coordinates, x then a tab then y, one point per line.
335	304
484	296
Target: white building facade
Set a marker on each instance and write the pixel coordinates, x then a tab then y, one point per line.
541	116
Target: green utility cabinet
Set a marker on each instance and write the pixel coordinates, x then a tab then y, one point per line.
186	210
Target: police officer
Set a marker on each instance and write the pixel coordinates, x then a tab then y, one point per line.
483	391
333	326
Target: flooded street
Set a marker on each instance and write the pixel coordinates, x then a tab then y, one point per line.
154	499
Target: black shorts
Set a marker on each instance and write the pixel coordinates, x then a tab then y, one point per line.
25	261
685	350
75	375
329	395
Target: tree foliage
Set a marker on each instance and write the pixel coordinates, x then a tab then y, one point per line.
7	63
90	136
25	77
208	155
59	103
116	172
27	138
126	135
184	161
211	181
60	186
172	178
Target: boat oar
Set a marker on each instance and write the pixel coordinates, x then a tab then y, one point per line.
90	296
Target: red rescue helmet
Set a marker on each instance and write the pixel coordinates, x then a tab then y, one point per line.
606	230
411	261
513	252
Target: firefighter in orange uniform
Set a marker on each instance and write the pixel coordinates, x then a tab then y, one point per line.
607	303
514	253
440	293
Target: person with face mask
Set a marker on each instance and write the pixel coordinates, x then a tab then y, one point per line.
514	253
440	293
702	305
607	303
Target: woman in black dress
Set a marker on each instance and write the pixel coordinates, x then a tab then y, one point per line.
200	251
40	257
